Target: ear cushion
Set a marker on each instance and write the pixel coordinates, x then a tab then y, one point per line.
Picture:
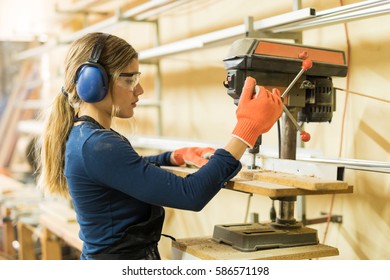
91	82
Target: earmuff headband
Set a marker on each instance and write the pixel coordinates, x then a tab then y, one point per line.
98	48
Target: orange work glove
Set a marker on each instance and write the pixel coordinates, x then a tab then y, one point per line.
256	113
192	156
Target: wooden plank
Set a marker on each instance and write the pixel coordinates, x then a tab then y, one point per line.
276	190
292	180
26	244
12	113
8	231
206	249
50	245
302	182
248	181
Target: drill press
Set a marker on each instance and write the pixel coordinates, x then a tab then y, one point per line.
308	96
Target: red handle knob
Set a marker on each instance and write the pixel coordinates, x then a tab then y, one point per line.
303	55
307	64
305	136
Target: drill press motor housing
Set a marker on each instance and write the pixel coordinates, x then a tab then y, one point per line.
275	64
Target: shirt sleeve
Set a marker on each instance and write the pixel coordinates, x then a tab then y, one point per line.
161	159
111	162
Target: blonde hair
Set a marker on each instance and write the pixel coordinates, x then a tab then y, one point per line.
115	56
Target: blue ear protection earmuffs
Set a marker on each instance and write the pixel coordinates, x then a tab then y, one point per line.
91	78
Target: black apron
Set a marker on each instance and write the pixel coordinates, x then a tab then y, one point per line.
139	242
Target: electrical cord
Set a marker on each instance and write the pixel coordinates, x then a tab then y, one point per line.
364	95
342	121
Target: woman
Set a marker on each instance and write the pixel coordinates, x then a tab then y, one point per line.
118	195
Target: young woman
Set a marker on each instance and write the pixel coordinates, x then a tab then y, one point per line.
118	195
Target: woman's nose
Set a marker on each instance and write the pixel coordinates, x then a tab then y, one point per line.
139	90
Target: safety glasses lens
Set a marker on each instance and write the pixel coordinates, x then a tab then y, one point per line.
129	80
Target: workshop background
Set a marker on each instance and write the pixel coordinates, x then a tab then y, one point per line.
192	104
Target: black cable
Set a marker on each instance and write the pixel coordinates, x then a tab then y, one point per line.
272	213
168	236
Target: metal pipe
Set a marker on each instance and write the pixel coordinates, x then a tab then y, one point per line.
79	6
363	165
345	13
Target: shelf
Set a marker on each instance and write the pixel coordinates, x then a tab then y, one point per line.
274	26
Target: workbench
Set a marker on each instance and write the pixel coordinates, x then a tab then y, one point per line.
56	226
26	215
7	186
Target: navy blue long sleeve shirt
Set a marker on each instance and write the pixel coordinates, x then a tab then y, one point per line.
112	187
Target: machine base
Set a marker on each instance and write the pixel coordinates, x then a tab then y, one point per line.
257	236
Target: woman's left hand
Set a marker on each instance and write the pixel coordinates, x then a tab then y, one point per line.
195	156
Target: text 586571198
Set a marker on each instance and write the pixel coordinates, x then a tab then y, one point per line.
242	270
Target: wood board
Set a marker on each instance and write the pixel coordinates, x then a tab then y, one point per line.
301	182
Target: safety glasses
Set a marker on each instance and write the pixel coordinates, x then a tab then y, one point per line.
129	80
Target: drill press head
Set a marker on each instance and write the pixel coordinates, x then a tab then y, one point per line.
275	64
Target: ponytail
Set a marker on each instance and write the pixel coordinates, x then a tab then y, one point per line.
52	151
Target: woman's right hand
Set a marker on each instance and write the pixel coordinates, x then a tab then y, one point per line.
256	113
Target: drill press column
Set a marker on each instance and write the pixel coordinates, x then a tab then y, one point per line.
288	151
289	136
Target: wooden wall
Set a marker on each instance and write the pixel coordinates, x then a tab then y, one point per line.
196	106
